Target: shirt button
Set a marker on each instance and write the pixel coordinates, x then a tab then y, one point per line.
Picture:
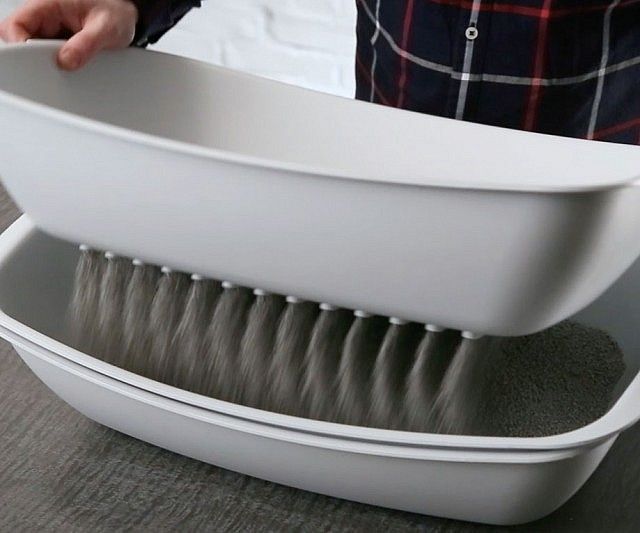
471	33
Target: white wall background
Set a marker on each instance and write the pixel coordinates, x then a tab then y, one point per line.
306	42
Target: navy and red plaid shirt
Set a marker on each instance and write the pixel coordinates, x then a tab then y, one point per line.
566	67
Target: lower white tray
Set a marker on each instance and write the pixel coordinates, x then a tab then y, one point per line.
484	479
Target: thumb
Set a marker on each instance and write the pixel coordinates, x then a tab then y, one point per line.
94	36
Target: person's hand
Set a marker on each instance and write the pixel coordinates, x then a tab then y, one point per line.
92	25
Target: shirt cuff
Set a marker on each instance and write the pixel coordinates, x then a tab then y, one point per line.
156	17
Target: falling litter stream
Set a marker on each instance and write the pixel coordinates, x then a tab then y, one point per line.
299	358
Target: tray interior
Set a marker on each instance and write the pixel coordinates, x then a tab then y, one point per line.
188	101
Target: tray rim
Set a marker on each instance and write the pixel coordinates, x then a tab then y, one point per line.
327	441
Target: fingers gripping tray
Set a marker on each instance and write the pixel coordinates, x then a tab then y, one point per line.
230	176
488	479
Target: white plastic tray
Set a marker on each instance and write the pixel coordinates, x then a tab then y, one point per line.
485	479
268	185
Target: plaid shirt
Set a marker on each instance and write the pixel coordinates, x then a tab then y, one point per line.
566	67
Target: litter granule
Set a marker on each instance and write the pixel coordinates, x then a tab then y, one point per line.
551	382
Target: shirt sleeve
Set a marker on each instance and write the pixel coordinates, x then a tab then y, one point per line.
156	17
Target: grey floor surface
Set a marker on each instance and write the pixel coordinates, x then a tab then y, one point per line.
62	472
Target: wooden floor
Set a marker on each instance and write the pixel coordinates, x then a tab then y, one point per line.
61	472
